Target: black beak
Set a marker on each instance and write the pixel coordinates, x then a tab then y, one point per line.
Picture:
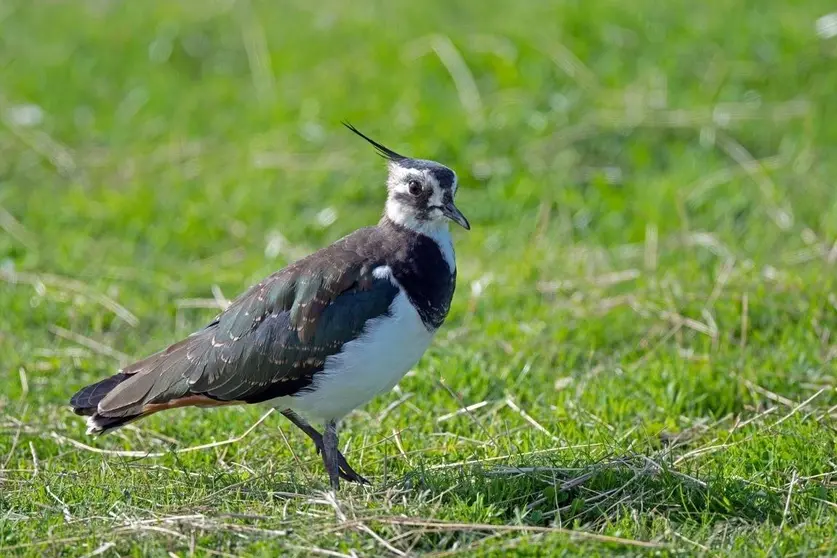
451	212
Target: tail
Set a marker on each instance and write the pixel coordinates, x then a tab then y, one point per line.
156	383
86	403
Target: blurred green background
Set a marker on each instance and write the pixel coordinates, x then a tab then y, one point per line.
642	329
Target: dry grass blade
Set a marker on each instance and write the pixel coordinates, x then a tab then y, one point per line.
437	525
396	436
58	154
798	408
785	512
70	285
509	456
309	550
118	453
570	64
228	440
366	529
64	508
462	411
91	344
513	406
47	542
392	406
35	467
768	394
463	79
258	54
128	453
16	230
14	444
100	550
782	217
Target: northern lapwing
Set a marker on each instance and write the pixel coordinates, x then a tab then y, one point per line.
320	337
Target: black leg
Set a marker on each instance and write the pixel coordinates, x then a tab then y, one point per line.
330	452
345	471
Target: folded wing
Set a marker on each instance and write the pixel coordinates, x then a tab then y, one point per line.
270	342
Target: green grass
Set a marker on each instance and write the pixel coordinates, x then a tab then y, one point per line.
647	302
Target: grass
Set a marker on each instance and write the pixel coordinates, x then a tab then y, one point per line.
643	332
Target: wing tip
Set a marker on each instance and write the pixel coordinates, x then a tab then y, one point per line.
86	400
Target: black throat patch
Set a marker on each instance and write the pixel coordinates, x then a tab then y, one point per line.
420	268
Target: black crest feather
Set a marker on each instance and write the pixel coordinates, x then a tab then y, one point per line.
383	151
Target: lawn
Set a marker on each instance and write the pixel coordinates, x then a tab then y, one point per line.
640	354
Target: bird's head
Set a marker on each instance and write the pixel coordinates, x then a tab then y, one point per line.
420	193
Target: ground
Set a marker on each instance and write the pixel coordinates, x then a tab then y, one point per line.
640	354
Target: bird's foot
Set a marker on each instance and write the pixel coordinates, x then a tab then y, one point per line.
334	461
345	470
347	473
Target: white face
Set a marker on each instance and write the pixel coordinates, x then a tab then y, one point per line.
420	195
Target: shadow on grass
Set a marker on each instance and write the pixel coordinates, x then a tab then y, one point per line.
595	494
534	492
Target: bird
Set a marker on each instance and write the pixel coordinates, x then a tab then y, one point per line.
321	336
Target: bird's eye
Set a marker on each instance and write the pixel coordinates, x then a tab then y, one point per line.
415	187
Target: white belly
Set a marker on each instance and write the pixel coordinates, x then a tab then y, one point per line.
372	364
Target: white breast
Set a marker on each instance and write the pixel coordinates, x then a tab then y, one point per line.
371	364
